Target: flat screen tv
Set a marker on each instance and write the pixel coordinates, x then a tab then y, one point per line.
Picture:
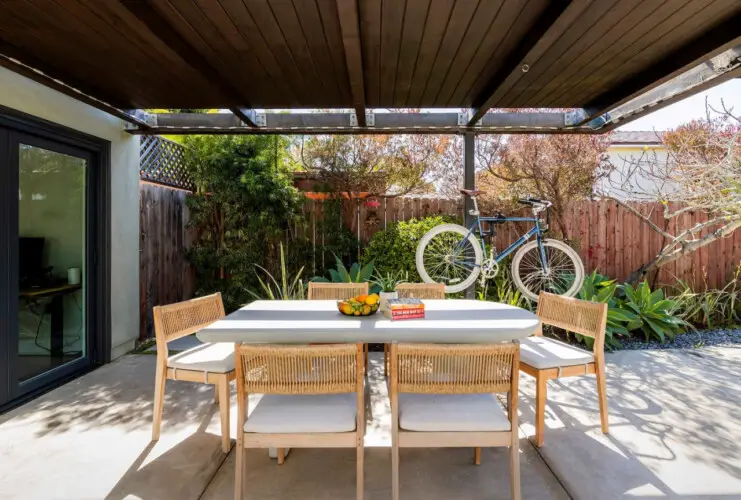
30	260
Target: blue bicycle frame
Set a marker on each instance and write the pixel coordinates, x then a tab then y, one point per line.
536	231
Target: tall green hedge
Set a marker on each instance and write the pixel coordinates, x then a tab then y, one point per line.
392	250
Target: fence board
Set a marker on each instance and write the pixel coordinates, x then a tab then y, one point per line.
165	274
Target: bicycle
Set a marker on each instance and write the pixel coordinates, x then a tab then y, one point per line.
451	254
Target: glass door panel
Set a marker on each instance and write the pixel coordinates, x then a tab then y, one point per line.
52	258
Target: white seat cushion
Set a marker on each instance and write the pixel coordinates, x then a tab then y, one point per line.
542	353
214	358
451	413
287	414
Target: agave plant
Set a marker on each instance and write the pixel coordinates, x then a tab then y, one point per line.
654	313
388	282
287	288
356	274
598	288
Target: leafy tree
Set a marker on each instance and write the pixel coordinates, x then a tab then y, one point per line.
559	168
245	205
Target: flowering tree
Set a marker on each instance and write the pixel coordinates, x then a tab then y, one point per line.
558	168
702	172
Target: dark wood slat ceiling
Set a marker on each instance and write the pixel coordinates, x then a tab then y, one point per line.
412	53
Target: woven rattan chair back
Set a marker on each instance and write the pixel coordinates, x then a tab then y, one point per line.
282	369
574	315
421	290
456	368
336	291
184	318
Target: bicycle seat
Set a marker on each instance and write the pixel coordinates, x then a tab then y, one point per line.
472	192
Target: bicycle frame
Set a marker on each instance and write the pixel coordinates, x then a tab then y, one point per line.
536	231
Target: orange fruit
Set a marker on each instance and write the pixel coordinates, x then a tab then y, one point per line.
346	309
357	313
366	309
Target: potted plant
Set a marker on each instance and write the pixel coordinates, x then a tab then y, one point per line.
387	283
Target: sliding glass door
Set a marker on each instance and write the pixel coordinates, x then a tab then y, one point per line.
47	325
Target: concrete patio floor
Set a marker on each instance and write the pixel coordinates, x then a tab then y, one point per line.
674	416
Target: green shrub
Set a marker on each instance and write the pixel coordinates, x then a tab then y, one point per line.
654	312
599	288
709	308
393	249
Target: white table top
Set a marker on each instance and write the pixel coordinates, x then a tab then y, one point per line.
304	321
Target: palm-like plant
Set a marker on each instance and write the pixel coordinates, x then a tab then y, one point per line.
287	288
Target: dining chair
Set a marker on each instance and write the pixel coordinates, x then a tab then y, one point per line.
207	363
444	396
546	358
419	291
320	409
339	291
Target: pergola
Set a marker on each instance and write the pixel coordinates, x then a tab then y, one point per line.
569	66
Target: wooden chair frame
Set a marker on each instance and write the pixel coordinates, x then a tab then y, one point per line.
420	291
282	370
172	322
339	291
472	381
578	316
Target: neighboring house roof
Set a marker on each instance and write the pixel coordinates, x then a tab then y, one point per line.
636	137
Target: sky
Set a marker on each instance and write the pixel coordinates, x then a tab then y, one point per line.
690	108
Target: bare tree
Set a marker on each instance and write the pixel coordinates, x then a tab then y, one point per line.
559	168
702	172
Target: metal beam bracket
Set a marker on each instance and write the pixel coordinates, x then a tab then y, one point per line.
465	117
370	119
261	120
353	119
149	119
574	116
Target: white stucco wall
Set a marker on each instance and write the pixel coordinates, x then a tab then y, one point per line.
25	95
628	182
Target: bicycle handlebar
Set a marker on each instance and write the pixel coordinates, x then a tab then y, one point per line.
535	201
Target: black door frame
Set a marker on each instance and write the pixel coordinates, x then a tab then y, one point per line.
16	125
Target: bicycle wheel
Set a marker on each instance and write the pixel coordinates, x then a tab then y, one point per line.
565	275
448	254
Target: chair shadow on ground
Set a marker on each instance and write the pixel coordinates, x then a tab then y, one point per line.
183	471
653	419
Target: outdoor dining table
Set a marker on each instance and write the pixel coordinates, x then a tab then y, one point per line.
319	321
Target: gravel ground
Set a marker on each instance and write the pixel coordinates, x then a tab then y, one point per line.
690	340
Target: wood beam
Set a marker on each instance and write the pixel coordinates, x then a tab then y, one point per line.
699	50
548	27
161	29
347	11
37	71
385	123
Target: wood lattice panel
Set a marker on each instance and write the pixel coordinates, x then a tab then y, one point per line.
164	162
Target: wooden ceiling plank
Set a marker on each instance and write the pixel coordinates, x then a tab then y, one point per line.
268	27
240	69
482	20
244	23
437	23
109	20
455	32
289	25
588	30
715	40
314	33
392	20
639	37
370	42
156	19
29	28
333	40
501	37
550	25
415	19
573	65
347	13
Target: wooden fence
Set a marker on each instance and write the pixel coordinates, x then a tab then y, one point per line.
607	236
165	274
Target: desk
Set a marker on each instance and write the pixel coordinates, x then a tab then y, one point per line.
56	310
318	321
